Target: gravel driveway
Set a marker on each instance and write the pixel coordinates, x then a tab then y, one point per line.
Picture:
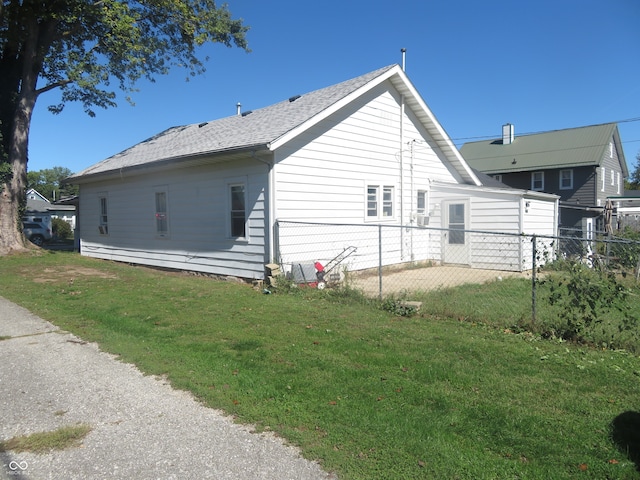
141	427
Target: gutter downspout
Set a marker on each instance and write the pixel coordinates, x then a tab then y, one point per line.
401	177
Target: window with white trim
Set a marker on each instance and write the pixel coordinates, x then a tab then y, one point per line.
380	202
566	179
162	212
537	181
618	184
237	210
603	174
103	220
421	202
613	177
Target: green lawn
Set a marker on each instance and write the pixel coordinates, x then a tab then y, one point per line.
367	393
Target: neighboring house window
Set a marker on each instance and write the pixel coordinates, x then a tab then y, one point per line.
498	177
379	202
537	181
610	149
613	177
566	179
238	213
103	225
603	174
618	183
162	219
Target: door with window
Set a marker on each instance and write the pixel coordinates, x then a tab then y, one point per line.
455	238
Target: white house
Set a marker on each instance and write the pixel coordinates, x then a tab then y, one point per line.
206	197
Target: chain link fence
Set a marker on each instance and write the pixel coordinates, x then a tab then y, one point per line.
464	273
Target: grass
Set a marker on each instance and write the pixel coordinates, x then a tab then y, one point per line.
367	393
508	305
43	442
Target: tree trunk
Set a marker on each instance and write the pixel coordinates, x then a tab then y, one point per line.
12	192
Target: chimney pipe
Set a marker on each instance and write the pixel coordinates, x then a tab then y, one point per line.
238	107
507	134
404	58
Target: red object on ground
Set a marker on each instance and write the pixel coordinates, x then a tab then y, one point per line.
318	266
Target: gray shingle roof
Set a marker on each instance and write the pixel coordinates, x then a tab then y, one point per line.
572	147
257	129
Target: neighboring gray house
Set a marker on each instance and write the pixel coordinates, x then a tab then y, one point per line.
584	166
40	210
206	197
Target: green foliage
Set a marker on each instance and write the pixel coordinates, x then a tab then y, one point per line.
585	295
84	48
49	183
398	307
45	442
5	173
61	229
89	45
633	183
624	250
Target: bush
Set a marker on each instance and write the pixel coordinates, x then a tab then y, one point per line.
61	229
591	302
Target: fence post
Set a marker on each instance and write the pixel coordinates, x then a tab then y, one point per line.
380	261
533	279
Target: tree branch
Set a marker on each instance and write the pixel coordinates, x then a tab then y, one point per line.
51	86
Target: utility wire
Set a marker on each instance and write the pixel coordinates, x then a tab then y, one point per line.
487	137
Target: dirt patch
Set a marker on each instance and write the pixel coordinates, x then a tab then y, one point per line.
68	273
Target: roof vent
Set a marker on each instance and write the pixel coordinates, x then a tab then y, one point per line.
238	107
248	112
294	98
200	125
507	134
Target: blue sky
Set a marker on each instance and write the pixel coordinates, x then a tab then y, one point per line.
538	64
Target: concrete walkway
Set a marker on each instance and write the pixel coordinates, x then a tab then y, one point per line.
141	427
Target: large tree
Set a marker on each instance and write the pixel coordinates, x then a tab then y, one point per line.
85	48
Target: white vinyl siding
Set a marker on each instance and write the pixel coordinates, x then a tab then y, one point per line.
322	180
492	211
198	220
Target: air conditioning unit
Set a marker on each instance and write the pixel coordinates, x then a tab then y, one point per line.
422	220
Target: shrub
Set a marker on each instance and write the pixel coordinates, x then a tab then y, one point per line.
61	229
589	298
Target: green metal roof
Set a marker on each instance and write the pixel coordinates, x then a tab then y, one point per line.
573	147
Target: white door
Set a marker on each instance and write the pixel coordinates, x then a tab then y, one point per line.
455	238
